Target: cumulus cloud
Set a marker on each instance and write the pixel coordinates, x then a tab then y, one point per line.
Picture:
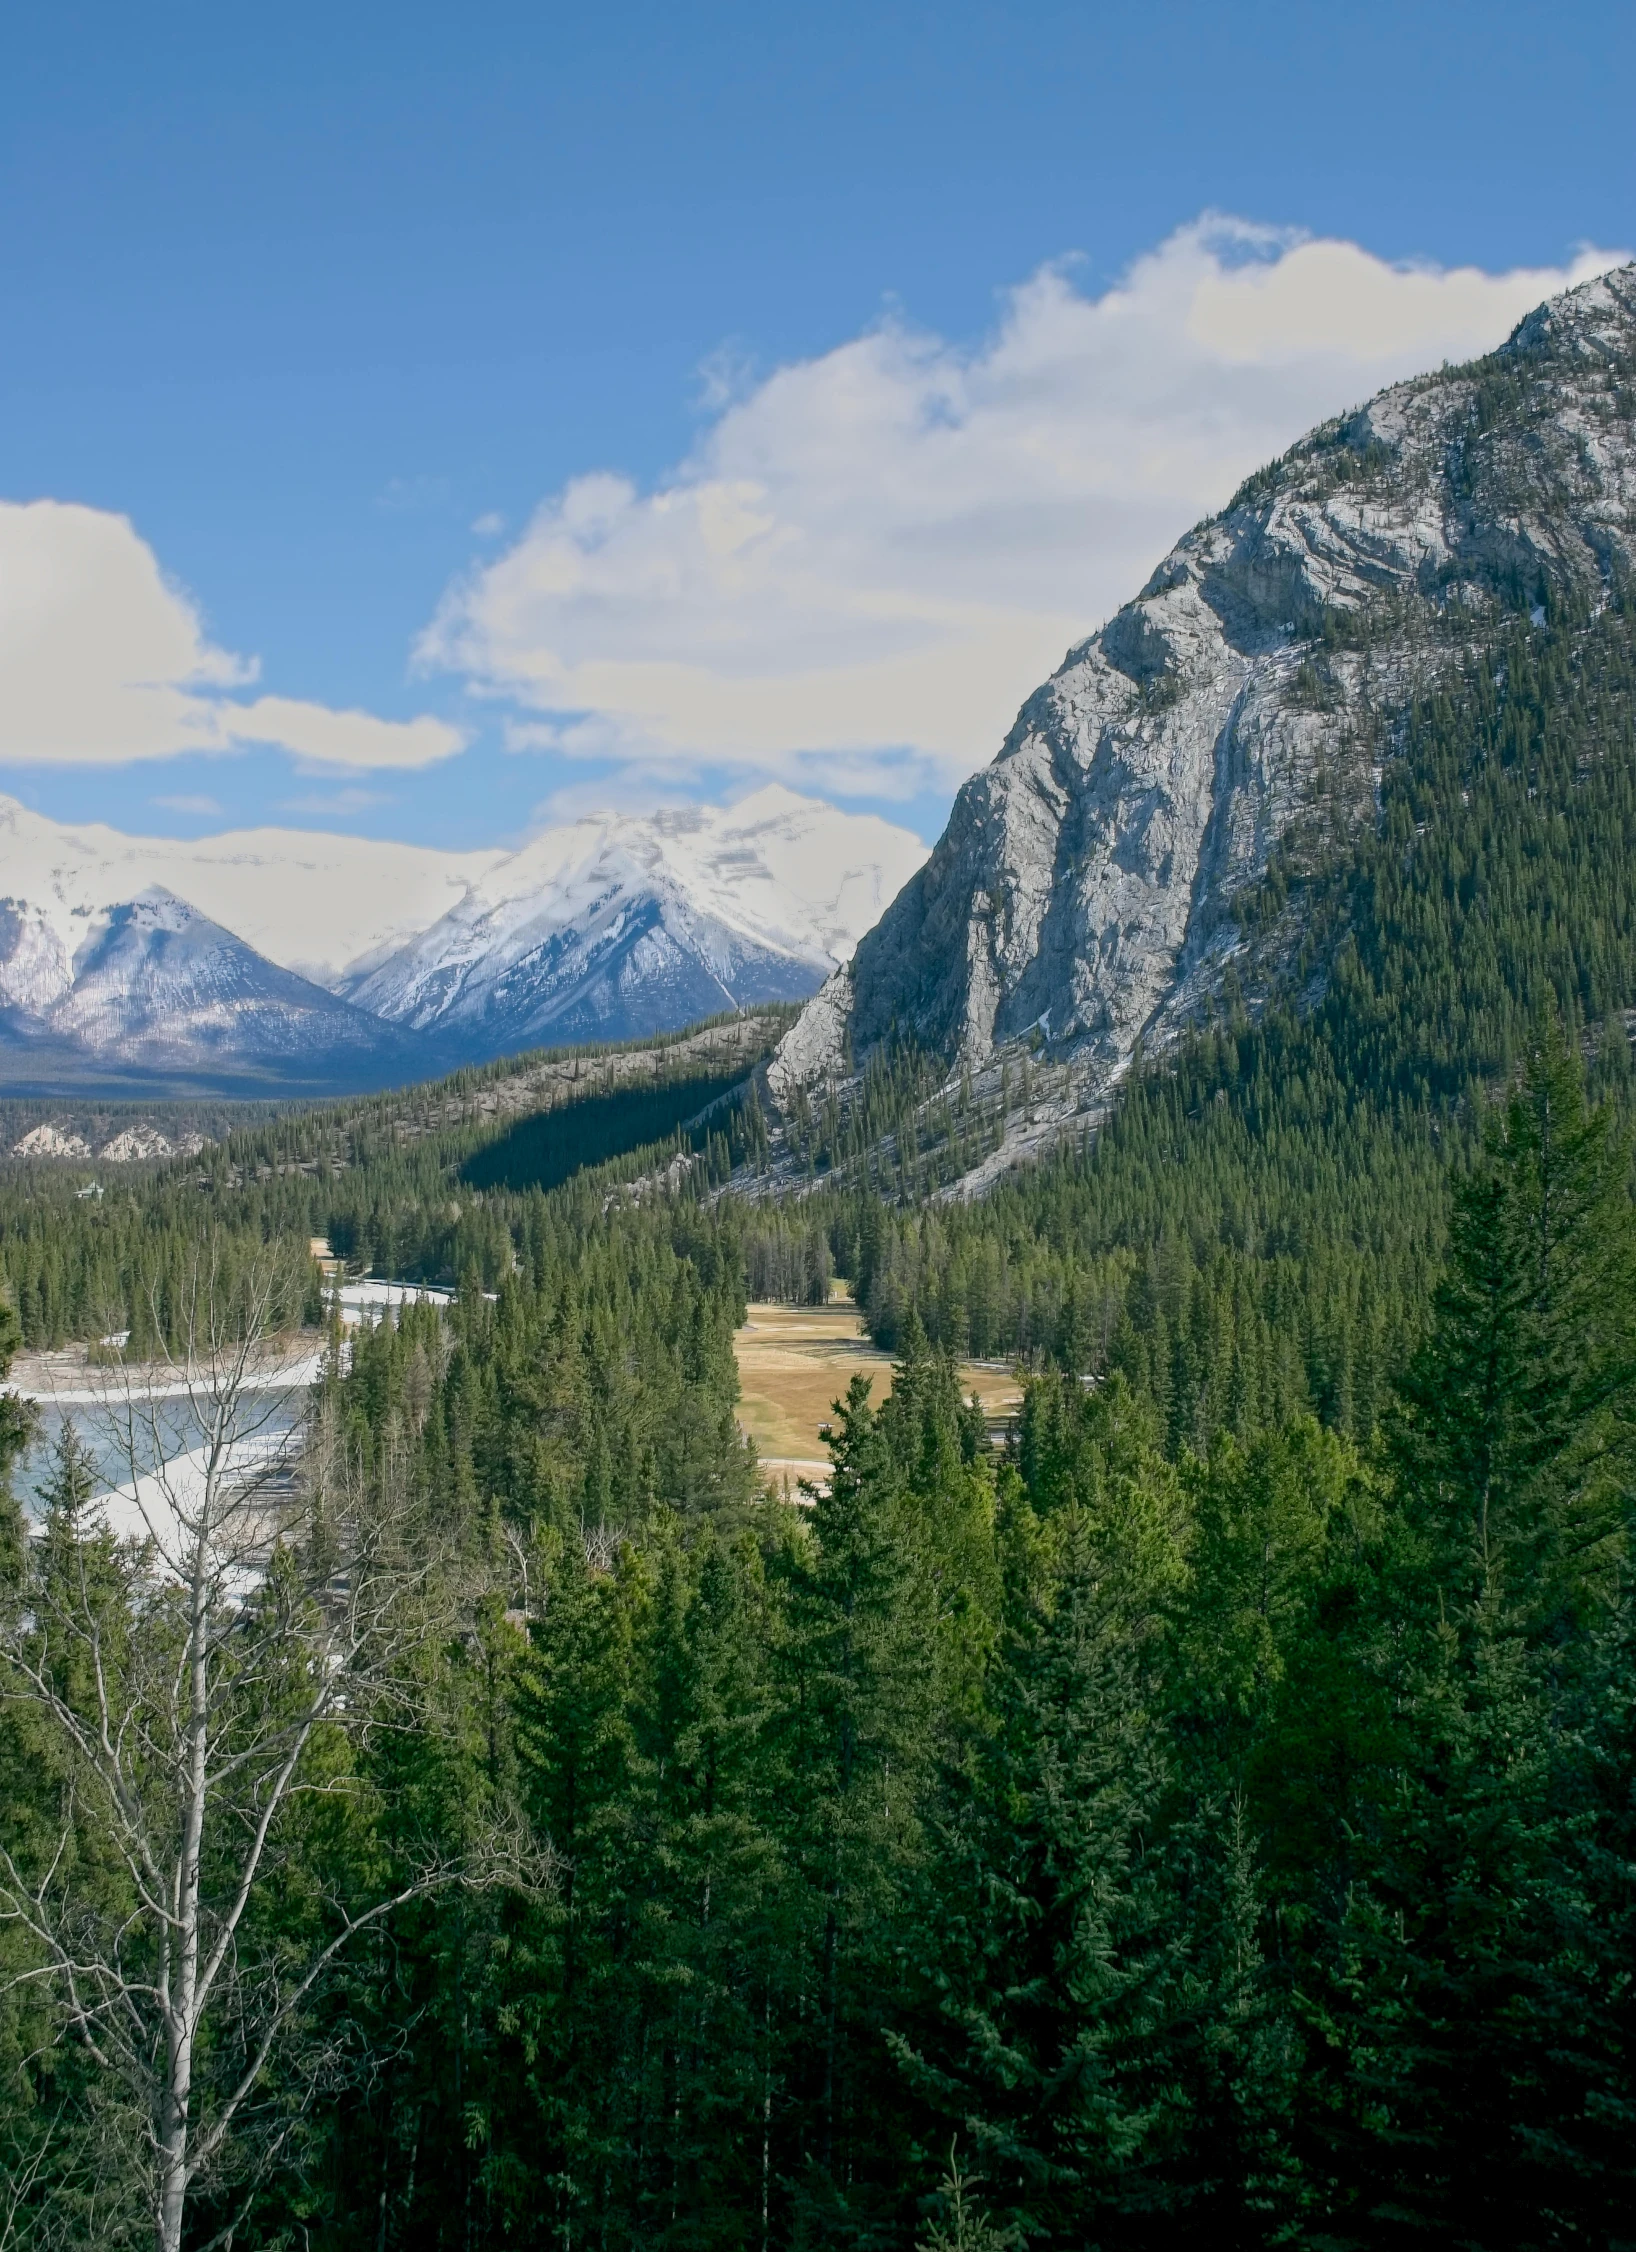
871	557
103	660
329	738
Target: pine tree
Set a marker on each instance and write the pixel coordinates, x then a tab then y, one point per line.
961	2225
859	1722
1516	1439
1052	1940
1457	1997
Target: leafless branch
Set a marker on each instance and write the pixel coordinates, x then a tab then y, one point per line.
247	1589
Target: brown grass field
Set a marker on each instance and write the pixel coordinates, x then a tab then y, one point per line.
794	1360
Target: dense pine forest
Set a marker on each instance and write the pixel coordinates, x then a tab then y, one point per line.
1207	1818
1258	1228
430	1184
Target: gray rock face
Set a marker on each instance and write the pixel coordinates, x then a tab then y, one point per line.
1085	882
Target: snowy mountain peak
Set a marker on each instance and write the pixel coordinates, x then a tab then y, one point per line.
157	993
280	953
308	901
621	924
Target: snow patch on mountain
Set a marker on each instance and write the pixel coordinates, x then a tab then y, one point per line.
156	990
281	953
309	902
622	924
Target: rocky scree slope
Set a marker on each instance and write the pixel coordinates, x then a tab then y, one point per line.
1081	899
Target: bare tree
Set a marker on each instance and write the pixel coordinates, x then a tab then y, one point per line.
199	1658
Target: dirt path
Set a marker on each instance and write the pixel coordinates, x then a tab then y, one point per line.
793	1361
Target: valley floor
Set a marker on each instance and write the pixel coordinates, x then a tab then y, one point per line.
795	1361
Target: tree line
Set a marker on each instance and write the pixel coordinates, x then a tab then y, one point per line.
1206	1817
428	1184
1131	1845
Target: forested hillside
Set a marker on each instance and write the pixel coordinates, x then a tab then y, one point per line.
430	1184
1086	1844
1093	884
1205	1818
1255	1230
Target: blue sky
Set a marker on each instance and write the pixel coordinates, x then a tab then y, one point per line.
795	323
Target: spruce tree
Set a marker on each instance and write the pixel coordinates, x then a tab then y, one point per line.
1515	1442
860	1741
1459	1993
1052	1948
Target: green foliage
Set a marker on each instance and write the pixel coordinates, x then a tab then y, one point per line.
381	1178
1516	1432
1256	1232
1219	1844
1212	1809
961	2225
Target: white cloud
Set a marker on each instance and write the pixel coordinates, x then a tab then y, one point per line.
330	738
872	557
103	661
101	658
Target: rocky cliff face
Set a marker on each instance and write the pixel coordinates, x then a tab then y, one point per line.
1082	894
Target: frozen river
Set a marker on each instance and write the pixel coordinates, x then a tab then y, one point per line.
66	1388
163	1426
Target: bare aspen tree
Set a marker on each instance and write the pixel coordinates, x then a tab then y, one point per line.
195	1661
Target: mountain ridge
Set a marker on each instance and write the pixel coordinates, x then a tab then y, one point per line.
623	924
616	926
311	901
1080	903
158	994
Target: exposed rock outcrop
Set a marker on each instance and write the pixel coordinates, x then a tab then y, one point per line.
1082	894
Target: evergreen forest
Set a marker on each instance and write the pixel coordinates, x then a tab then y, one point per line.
1207	1817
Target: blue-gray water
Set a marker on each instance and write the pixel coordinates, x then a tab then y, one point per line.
168	1419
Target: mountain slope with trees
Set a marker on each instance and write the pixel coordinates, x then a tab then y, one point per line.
1087	897
1232	1842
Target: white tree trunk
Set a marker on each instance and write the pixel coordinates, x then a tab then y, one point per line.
188	1744
182	2001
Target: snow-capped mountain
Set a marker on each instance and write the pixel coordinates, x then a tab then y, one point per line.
279	959
1082	898
154	992
621	925
310	902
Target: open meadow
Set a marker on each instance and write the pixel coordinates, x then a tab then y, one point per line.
794	1361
